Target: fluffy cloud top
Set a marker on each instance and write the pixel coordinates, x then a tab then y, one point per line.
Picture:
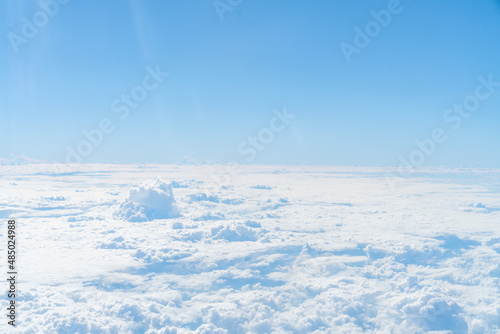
150	200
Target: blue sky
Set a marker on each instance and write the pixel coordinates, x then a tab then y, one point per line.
227	76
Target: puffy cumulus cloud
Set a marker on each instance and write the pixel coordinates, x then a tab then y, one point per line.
148	201
431	309
238	232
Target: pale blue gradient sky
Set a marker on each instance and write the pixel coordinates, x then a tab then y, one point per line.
226	77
